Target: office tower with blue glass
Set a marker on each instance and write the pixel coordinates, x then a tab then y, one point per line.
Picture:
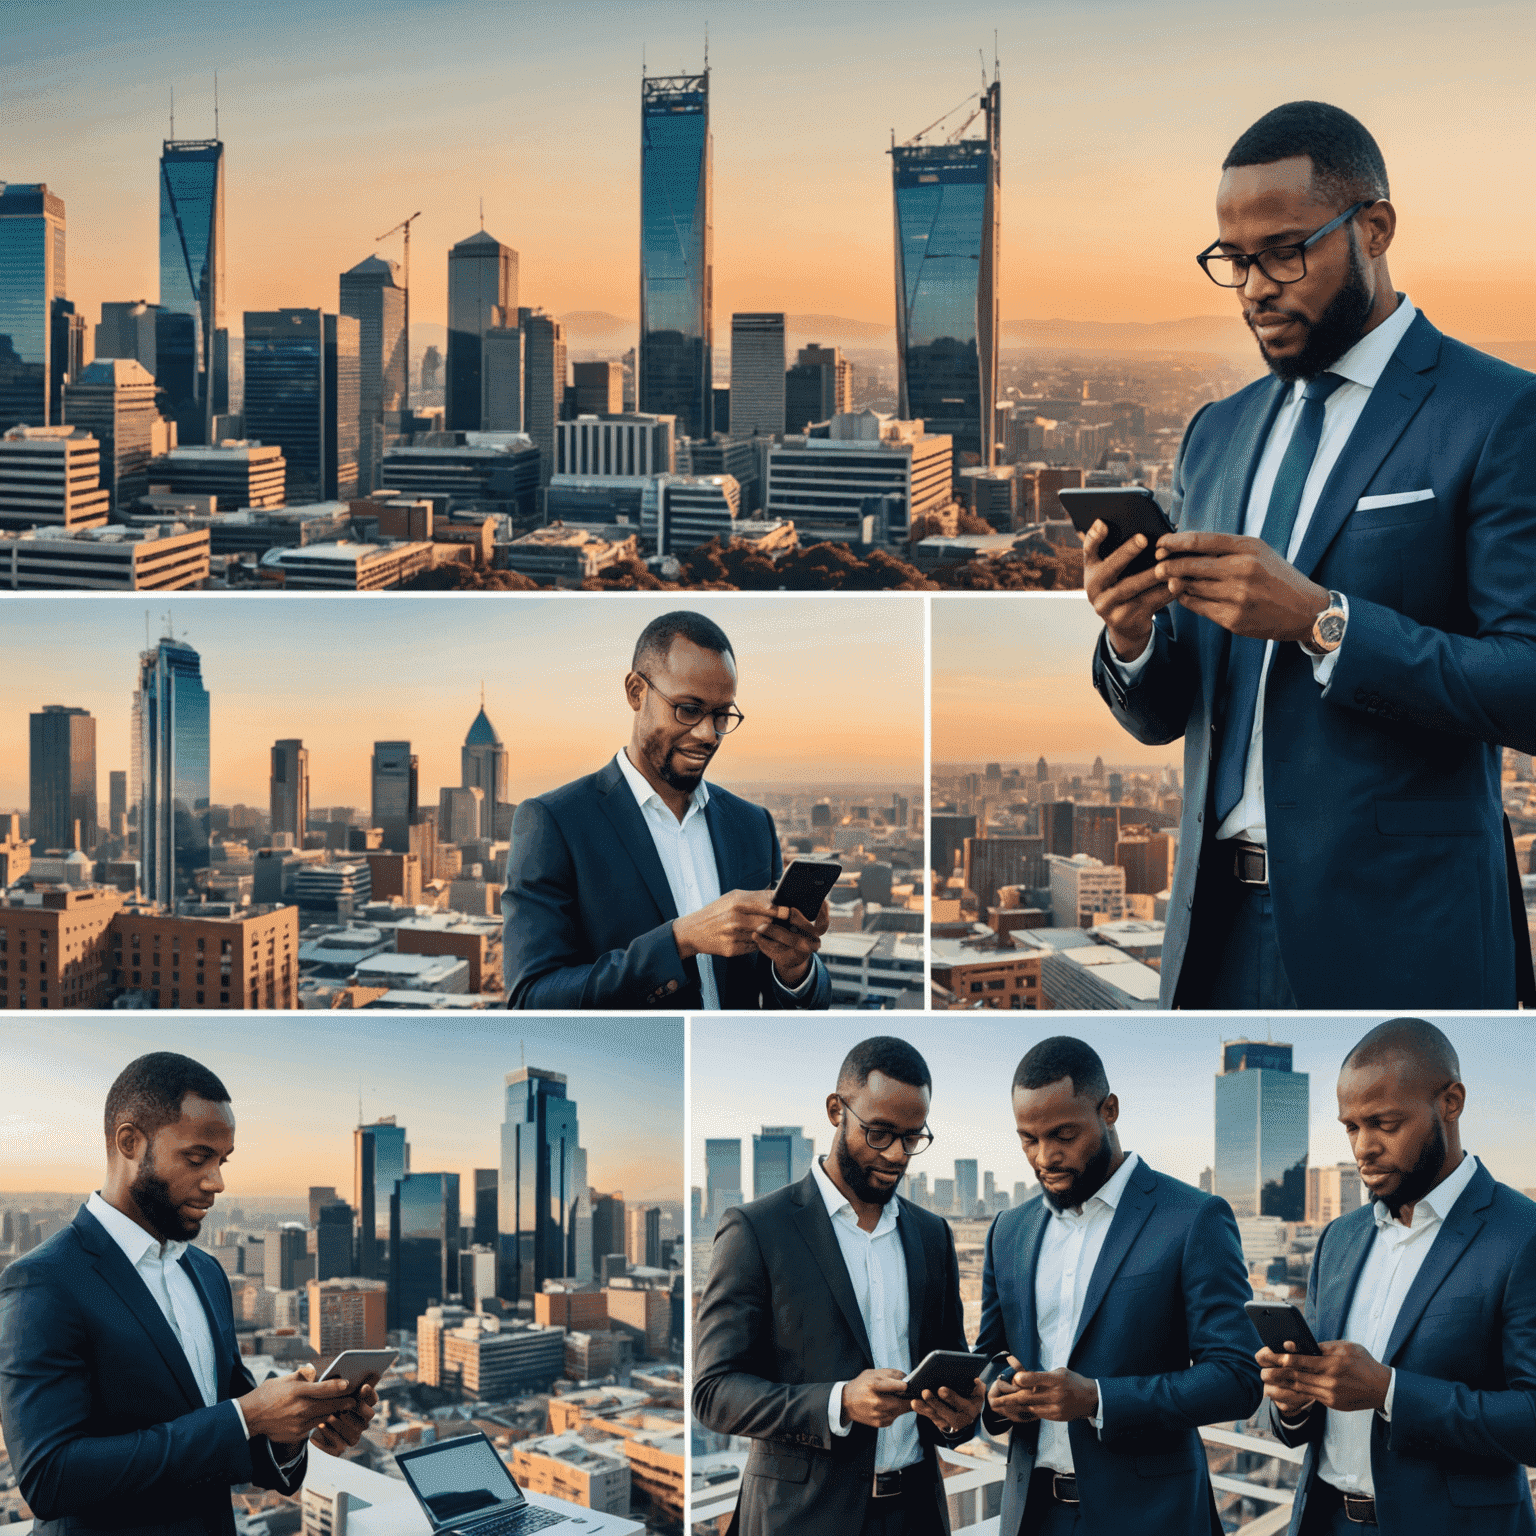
675	366
536	1206
193	355
722	1177
781	1155
381	1156
1261	1131
34	313
483	766
63	771
371	294
965	1185
947	248
169	764
423	1246
482	295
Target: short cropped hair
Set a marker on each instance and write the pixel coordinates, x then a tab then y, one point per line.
888	1055
1420	1041
1347	166
657	637
1063	1056
148	1092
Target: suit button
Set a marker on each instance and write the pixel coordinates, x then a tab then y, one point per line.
671	986
1199	816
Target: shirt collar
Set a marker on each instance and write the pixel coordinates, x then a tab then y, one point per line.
1436	1205
1365	362
1109	1192
135	1242
641	789
836	1201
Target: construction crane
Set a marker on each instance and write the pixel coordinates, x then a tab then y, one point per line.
405	227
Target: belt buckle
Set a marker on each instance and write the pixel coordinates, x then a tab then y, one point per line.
892	1489
1359	1509
1247	857
1057	1479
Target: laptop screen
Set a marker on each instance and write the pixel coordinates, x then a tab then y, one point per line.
458	1478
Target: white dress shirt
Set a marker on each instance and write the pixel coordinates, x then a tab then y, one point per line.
1362	367
1069	1251
688	860
877	1267
1397	1254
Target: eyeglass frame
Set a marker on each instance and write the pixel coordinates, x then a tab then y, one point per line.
730	711
1256	258
880	1130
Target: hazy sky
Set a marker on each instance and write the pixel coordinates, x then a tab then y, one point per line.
294	1081
1163	1075
831	686
341	118
1012	679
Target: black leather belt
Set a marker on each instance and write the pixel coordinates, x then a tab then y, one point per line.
1060	1486
1361	1510
1250	863
891	1485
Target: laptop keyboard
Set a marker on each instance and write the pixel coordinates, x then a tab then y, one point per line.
517	1522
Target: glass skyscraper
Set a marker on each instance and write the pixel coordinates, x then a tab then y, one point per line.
722	1177
947	247
675	366
63	765
538	1194
170	756
780	1155
1261	1131
371	294
423	1245
482	296
394	793
192	284
483	765
33	354
380	1157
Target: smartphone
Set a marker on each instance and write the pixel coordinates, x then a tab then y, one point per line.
952	1368
358	1367
1279	1323
1126	510
805	884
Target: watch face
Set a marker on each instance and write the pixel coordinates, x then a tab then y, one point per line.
1329	629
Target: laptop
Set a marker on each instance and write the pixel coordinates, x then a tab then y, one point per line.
465	1487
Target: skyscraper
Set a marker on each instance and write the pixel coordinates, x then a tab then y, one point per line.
32	359
423	1245
380	1157
114	400
487	1183
537	1204
127	330
1261	1131
757	375
722	1177
371	294
394	793
483	761
675	367
965	1185
947	243
607	1228
780	1155
192	284
63	806
117	802
170	759
543	382
290	789
482	294
333	1240
817	388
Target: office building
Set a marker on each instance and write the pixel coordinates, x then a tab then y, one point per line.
333	1241
726	456
236	474
722	1177
34	314
114	400
67	934
675	365
594	1475
492	1359
625	445
1261	1131
538	1194
495	472
192	358
948	227
332	892
348	567
430	1327
599	388
128	331
1084	888
695	509
503	368
371	294
993	862
757	375
394	793
347	1314
49	479
1333	1191
543	383
381	1156
607	1227
781	1155
423	1245
487	1184
965	1185
1147	859
947	834
817	388
168	767
63	771
209	955
285	1257
117	803
483	766
290	789
482	294
644	1312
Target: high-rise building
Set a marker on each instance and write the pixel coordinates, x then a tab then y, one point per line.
599	388
117	802
757	375
128	331
780	1155
487	1183
290	789
675	367
169	769
817	388
380	1157
1333	1191
503	377
607	1228
34	314
423	1245
235	473
482	294
483	763
285	1253
1261	1131
372	295
394	793
948	229
48	479
192	285
63	804
333	1240
347	1314
537	1198
722	1177
114	400
965	1185
993	862
543	383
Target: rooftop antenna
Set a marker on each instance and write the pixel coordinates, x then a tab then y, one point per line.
482	215
522	1056
482	693
642	61
173	114
215	104
405	394
706	47
994	54
980	55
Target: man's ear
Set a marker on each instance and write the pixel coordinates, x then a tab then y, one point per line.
634	690
129	1142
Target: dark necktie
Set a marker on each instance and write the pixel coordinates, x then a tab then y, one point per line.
1245	661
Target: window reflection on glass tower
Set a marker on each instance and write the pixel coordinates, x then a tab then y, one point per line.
538	1195
947	199
193	358
1261	1131
170	763
677	328
380	1157
34	314
423	1245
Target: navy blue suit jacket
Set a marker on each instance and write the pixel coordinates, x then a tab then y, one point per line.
104	1422
1388	866
1164	1334
1464	1348
588	913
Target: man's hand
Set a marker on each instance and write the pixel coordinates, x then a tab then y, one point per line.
728	926
876	1398
288	1408
948	1409
345	1429
1125	604
790	941
1060	1395
1344	1377
1239	583
1291	1403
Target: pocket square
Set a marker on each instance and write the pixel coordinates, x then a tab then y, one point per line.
1396	499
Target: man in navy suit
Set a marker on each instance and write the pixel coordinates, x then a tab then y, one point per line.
1343	629
124	1399
1118	1298
614	882
1419	1415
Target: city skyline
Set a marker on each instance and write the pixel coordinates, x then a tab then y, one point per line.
444	1084
1178	89
864	695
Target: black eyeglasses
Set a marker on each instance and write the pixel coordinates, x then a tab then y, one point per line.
724	720
879	1137
1279	263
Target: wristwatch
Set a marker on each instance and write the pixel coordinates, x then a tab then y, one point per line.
1328	627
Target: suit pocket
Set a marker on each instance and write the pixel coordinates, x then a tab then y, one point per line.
1420	818
787	1469
1371	514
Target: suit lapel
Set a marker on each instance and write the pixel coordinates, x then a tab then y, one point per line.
718	819
1348	1249
917	1279
223	1345
1130	1217
815	1227
618	805
1243	454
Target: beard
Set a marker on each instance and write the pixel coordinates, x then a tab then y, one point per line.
1334	331
152	1195
658	753
857	1178
1422	1177
1086	1184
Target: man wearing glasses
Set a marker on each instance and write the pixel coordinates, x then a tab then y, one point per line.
1343	628
821	1298
614	882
